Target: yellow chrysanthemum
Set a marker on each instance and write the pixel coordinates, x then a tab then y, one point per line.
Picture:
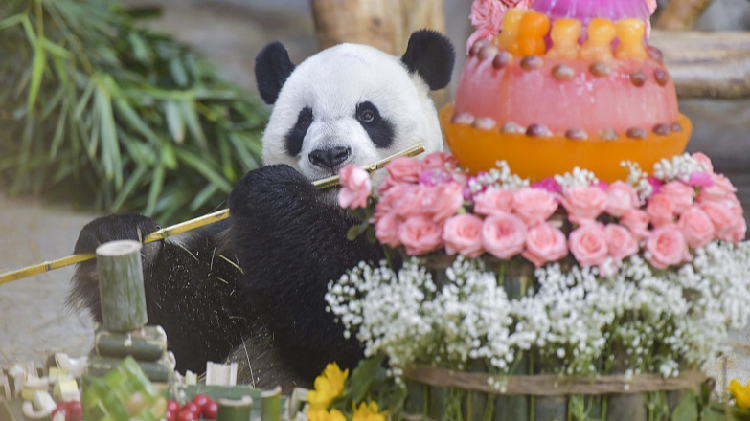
336	377
325	415
741	394
328	386
367	412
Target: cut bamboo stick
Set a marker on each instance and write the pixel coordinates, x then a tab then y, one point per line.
183	227
121	285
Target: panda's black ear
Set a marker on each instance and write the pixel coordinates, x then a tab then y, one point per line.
272	67
431	55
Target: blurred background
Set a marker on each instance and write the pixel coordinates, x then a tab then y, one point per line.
56	176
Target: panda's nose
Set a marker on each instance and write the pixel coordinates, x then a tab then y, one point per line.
329	157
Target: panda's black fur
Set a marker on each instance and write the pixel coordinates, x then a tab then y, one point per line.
251	288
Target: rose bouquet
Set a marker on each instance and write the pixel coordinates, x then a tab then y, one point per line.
570	275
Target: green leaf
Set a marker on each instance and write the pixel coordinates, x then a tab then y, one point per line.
157	183
364	375
110	145
203	168
130	184
40	64
177	70
129	116
176	124
687	408
203	196
187	111
709	414
139	46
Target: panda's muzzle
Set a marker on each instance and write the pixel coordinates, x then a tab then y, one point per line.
330	158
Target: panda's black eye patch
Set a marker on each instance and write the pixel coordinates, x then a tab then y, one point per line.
379	129
296	135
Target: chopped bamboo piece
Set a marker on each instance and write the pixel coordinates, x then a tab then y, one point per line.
270	405
234	410
146	344
221	375
121	285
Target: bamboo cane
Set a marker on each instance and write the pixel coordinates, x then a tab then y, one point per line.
186	226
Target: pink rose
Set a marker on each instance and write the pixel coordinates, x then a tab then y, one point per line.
588	244
655	184
389	200
700	179
725	219
411	202
584	203
534	206
621	198
721	190
666	247
703	161
386	229
636	221
420	234
503	235
463	234
438	161
356	189
487	15
739	231
660	210
679	194
620	242
433	178
697	227
651	4
549	184
443	201
545	243
404	170
386	185
493	200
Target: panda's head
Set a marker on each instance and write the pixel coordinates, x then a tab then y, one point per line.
351	104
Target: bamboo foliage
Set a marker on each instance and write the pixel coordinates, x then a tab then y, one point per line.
97	111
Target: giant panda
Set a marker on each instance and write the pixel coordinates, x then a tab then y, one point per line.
251	288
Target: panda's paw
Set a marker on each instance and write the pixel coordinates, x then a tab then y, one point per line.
129	226
270	188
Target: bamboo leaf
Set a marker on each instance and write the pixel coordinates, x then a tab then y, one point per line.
139	46
176	124
205	169
110	144
187	112
128	114
40	63
177	70
130	184
203	196
157	183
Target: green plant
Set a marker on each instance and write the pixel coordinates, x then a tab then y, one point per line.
104	114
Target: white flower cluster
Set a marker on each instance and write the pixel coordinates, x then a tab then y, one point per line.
678	168
576	320
500	176
577	178
638	179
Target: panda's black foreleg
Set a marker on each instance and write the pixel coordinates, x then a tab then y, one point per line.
291	241
191	287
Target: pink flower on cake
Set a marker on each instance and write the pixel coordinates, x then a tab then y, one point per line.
534	206
545	243
357	187
621	198
697	227
660	210
386	229
549	184
636	221
726	220
503	235
620	242
679	194
463	234
420	234
487	15
584	203
443	201
404	170
588	244
666	246
493	200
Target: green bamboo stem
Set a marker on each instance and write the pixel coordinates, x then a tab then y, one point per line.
146	344
234	410
270	405
123	295
159	371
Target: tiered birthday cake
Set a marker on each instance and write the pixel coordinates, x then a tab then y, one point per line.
564	84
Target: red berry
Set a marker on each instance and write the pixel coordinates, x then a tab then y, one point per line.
75	412
192	408
201	400
209	411
173	406
186	415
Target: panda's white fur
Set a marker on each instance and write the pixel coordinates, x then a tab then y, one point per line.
332	83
